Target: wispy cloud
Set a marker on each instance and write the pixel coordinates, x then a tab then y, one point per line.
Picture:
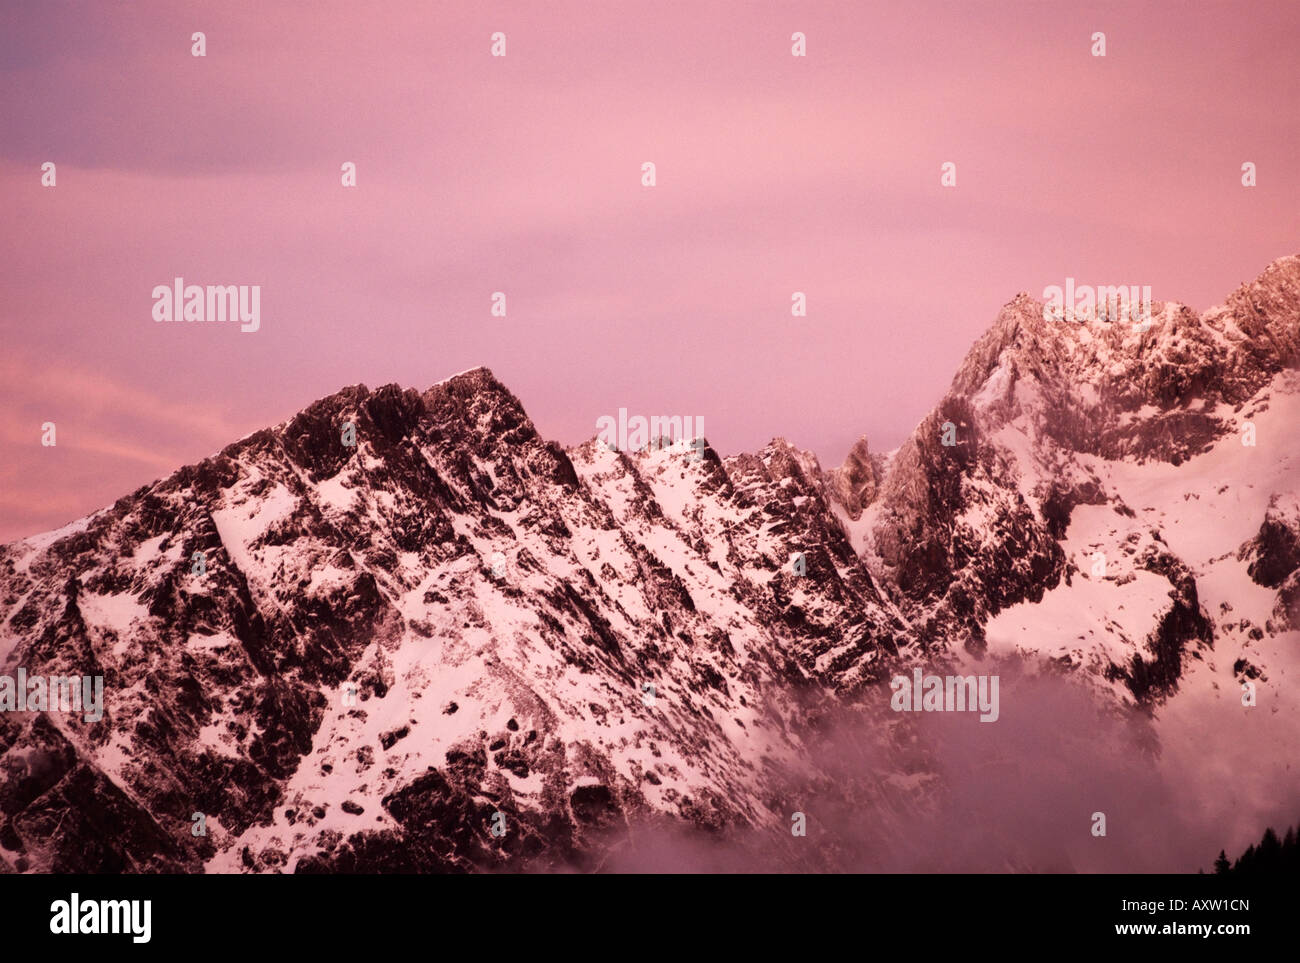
111	437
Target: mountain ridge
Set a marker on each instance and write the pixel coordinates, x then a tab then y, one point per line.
580	640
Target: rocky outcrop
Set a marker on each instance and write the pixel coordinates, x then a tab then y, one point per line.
403	632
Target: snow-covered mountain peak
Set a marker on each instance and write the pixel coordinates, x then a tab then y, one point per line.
354	639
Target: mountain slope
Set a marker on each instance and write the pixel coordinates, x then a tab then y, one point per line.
1045	416
358	657
502	608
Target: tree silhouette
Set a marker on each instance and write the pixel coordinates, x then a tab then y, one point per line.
1271	857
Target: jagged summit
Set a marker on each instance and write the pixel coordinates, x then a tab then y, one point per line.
1282	273
583	639
479	374
497	604
1083	382
975	512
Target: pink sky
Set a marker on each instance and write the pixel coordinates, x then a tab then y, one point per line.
522	174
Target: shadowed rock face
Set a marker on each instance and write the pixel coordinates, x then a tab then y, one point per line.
1274	557
365	658
854	484
501	609
960	532
1275	551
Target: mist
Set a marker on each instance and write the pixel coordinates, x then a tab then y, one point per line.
941	792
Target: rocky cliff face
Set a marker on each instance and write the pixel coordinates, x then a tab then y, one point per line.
454	645
567	639
1045	416
854	484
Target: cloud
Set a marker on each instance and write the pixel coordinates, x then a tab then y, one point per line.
111	438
